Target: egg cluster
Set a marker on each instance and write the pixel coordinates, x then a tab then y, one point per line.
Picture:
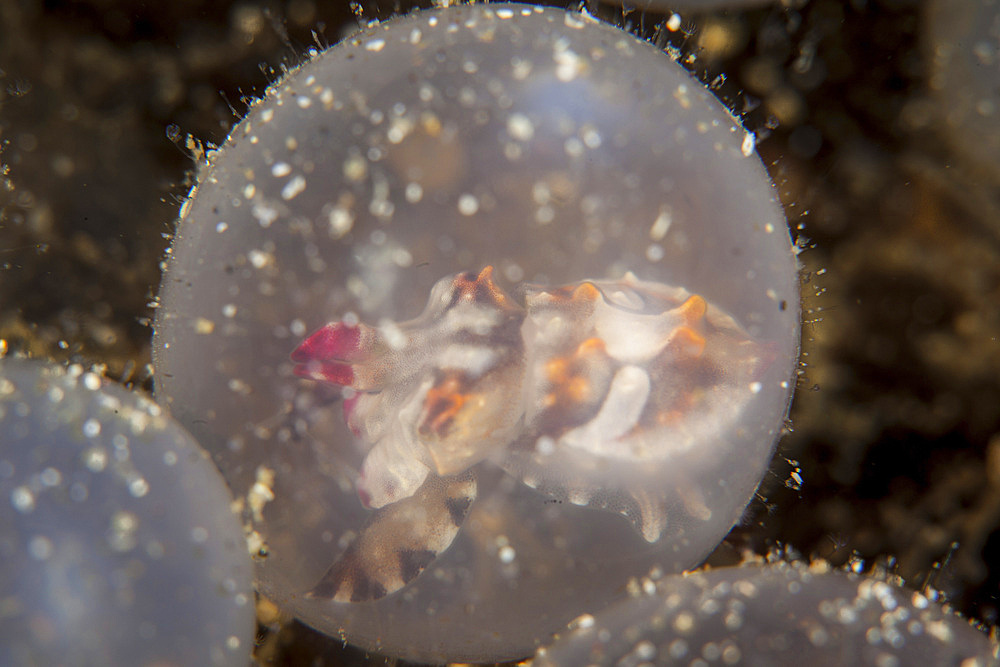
489	317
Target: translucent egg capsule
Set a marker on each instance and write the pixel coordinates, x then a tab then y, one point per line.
482	311
118	542
963	47
785	613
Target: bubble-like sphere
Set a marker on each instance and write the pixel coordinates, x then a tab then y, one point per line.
118	542
690	5
482	311
963	41
778	614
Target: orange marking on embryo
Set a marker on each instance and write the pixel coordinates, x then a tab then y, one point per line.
569	379
578	389
693	309
590	346
586	291
689	341
686	337
557	373
442	404
670	417
582	292
557	369
482	288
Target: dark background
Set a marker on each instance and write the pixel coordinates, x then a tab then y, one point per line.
104	104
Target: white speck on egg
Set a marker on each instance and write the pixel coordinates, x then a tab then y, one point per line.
468	204
293	188
40	547
91	428
520	127
22	499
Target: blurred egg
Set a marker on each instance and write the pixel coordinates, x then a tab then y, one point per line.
689	5
117	538
476	230
963	44
778	614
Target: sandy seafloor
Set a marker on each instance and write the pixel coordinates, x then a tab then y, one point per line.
896	420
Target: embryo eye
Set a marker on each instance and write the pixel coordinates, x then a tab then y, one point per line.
482	312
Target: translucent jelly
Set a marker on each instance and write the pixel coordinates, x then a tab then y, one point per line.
118	543
779	614
482	312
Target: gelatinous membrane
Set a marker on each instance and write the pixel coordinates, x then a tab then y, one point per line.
575	394
688	5
499	437
119	545
775	614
